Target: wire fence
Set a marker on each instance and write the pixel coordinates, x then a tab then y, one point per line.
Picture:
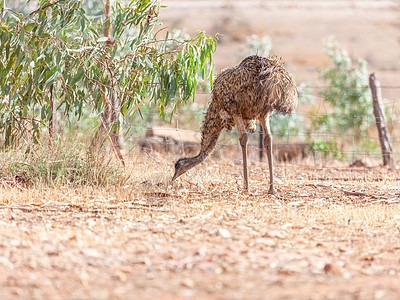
300	138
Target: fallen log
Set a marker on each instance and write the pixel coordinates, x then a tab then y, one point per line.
187	142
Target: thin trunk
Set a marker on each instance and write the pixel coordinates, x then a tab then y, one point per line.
107	9
114	143
2	8
52	119
105	116
109	117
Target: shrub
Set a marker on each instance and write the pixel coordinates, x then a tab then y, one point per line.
348	91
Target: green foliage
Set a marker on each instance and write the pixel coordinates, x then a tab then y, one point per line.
348	91
370	145
329	149
61	164
321	123
293	124
59	48
258	45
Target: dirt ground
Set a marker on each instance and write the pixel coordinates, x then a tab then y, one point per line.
331	233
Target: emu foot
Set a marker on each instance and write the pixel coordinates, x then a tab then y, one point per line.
271	190
246	185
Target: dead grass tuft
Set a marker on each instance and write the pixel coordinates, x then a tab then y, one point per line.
60	164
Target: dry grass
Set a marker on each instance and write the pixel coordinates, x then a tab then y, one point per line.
328	233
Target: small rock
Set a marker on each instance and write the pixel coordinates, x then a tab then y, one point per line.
266	241
224	233
332	268
187	282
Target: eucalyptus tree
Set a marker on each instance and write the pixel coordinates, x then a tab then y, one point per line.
56	58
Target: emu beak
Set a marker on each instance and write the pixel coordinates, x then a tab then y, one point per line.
177	174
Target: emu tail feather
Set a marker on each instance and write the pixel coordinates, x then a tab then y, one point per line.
278	87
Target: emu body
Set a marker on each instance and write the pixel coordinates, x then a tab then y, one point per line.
241	95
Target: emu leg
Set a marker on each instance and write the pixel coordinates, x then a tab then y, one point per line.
243	143
268	146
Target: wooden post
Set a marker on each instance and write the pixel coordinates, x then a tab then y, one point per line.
380	118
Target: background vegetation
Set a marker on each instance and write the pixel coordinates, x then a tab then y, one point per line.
62	74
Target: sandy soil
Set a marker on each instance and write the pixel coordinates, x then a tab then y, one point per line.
299	31
327	234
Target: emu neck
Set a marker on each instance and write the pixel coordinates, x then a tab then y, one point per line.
211	129
194	161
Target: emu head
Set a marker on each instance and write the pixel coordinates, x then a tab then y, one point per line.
181	166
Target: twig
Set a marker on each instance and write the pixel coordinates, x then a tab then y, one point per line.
362	194
319	185
44	7
87	48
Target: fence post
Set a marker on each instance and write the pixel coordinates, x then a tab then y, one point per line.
380	119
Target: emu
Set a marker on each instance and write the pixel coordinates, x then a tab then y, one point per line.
241	95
